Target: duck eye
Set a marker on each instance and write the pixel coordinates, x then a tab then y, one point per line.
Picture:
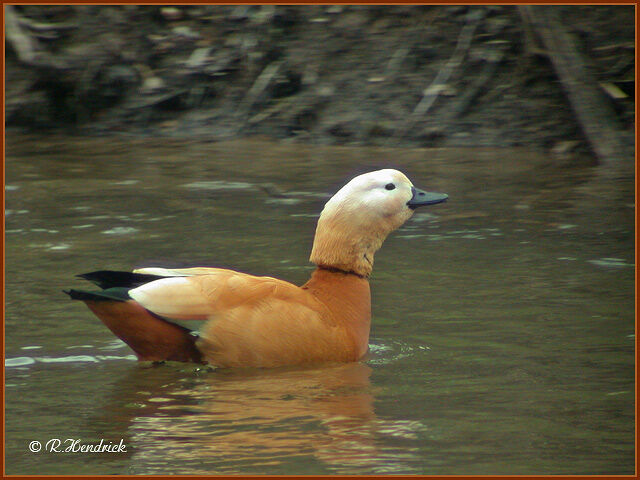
389	186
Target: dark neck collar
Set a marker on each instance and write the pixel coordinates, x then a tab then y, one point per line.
338	270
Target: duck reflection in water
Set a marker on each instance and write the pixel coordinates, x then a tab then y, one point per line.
253	420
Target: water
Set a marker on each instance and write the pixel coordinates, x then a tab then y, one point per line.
503	333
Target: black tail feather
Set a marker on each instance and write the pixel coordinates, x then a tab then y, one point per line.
119	294
111	278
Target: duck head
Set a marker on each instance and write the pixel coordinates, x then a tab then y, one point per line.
357	219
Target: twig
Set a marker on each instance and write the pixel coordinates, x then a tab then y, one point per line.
44	27
464	41
26	47
259	86
531	46
433	90
493	59
395	61
273	110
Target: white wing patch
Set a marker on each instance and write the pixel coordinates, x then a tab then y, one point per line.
173	297
161	272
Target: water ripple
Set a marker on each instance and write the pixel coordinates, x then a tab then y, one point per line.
23	361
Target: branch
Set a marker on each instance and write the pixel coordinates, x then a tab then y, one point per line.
592	110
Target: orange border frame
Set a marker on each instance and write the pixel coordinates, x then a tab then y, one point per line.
312	2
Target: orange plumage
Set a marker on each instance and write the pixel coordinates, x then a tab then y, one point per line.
262	321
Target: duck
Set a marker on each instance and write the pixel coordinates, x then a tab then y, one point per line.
261	321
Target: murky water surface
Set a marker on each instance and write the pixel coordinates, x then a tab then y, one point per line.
503	333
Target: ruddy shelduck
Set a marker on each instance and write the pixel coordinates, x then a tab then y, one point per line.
262	321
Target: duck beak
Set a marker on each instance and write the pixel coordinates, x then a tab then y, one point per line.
421	198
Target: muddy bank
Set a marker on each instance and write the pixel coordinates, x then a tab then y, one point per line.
433	76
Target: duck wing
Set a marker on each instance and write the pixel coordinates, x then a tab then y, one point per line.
252	321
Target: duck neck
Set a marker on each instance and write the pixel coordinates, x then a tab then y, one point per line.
338	247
